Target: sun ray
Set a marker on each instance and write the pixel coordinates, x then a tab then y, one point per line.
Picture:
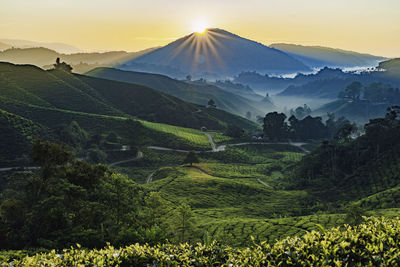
200	26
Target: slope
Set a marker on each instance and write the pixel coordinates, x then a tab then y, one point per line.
188	91
218	53
351	169
50	89
319	56
81	62
16	134
61	90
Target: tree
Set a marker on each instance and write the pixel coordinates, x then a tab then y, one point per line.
184	222
188	78
62	66
96	155
392	113
191	158
69	202
352	91
211	103
344	133
155	209
234	131
332	125
275	127
73	135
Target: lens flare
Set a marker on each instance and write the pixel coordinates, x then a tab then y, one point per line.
200	26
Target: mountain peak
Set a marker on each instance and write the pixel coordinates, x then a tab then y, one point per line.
216	53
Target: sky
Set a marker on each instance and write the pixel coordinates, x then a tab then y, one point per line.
370	26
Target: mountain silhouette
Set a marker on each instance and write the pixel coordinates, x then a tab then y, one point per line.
215	53
319	56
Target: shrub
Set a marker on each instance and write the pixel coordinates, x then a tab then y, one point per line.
374	243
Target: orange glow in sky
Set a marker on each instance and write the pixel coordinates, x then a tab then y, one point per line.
360	25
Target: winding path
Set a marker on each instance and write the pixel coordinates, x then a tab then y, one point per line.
264	183
17	168
149	178
215	148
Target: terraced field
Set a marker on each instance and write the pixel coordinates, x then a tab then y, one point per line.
237	194
196	138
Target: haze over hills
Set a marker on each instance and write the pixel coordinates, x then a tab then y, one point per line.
4	46
58	47
215	53
319	56
81	62
196	92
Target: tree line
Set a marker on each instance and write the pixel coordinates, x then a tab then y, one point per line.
276	127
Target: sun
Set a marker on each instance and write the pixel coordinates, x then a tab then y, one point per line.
200	26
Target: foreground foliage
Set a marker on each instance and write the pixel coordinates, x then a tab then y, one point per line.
374	242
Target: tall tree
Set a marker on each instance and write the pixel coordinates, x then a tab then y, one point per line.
275	127
191	158
184	222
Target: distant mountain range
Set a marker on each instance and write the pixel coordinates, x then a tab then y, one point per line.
81	62
58	47
216	53
4	46
319	56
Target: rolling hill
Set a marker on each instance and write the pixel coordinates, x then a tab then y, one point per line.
4	46
81	62
216	53
195	92
53	99
59	47
61	90
319	56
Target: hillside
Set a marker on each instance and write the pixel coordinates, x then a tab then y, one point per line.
93	95
81	62
391	71
325	88
319	56
17	134
195	92
59	47
54	99
45	88
217	53
266	83
326	83
4	46
349	169
360	111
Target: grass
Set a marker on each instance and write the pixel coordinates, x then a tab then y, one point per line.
225	192
219	137
213	198
196	138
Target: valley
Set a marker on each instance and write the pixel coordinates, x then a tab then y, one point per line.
250	146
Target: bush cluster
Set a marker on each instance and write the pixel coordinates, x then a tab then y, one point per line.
375	242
